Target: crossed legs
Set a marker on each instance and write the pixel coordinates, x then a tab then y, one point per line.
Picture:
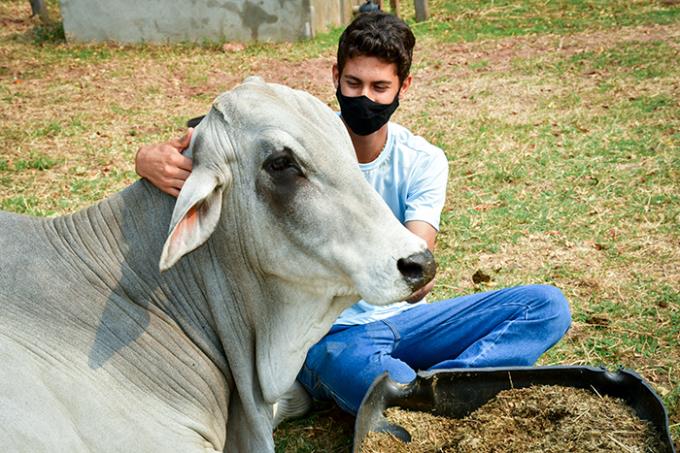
508	327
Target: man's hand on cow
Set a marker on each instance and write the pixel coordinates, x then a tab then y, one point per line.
164	165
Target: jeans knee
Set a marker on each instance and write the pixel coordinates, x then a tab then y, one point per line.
554	307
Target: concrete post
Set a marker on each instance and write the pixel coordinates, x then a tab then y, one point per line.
394	6
422	11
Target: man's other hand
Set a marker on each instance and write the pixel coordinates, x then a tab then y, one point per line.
427	232
163	164
421	293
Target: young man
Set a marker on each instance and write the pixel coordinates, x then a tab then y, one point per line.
508	327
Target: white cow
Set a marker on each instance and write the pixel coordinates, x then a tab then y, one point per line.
273	235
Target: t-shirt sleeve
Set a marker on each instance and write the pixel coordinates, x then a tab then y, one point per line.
427	188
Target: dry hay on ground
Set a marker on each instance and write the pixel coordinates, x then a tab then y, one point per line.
548	419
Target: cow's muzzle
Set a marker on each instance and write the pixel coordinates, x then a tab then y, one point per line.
417	269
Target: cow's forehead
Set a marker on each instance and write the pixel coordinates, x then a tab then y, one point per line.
263	104
248	100
258	112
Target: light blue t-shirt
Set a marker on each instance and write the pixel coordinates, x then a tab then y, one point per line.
410	174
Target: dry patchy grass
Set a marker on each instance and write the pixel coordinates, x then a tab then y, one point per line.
564	154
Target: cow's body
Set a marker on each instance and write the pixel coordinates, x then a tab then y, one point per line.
72	336
101	351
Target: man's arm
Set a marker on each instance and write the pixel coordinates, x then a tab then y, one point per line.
164	165
429	234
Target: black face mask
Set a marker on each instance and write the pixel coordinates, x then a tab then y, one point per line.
362	115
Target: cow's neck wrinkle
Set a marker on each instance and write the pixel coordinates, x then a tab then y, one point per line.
195	293
235	304
131	226
257	311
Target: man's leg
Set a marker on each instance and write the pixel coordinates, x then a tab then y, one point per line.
344	364
508	327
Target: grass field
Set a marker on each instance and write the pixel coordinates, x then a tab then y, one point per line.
560	119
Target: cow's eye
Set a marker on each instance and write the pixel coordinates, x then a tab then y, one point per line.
281	163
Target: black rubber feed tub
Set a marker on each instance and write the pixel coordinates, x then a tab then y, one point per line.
456	393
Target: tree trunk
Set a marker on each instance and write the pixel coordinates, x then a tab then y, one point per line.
39	9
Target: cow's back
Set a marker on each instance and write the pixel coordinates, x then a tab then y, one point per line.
36	346
25	256
44	294
84	368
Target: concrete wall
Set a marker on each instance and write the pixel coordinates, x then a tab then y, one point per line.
329	13
201	20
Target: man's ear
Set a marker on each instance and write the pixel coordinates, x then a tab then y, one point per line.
336	75
405	85
196	214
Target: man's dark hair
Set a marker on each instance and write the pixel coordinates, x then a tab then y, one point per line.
381	35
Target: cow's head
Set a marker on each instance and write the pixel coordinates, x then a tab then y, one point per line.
277	165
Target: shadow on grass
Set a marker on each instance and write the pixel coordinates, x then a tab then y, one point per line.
49	33
326	429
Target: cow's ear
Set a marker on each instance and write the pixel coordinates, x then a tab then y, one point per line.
196	214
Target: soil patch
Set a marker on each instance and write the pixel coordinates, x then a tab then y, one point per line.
534	419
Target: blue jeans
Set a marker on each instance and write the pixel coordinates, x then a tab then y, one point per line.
508	327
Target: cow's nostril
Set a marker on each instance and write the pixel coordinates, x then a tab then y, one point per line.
417	269
409	268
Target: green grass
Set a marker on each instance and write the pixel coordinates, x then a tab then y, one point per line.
561	121
35	162
469	20
25	204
